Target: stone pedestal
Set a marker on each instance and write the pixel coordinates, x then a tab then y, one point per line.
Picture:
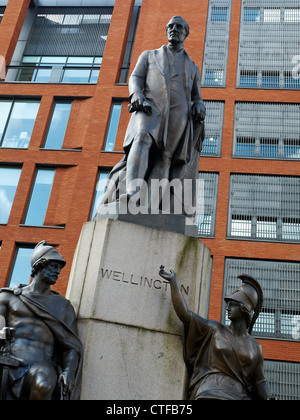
132	338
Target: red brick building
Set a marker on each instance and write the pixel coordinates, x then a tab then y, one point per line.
62	124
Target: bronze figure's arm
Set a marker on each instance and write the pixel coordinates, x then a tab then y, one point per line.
180	306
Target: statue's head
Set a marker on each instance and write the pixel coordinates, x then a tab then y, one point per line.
43	255
249	296
177	29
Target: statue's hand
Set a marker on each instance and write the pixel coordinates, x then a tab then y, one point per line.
137	101
171	277
198	111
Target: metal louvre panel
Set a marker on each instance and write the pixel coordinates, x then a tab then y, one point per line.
216	43
262	195
213	128
281	287
264	208
69	31
206	217
267	130
283	379
269	39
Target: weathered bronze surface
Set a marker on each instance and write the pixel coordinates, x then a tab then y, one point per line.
166	129
224	363
41	354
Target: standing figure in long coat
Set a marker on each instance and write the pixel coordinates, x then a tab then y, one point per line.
166	130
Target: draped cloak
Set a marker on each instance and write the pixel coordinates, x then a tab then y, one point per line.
59	316
152	77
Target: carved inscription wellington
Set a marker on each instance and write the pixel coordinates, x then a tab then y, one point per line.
140	281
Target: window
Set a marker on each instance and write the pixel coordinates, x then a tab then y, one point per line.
292	15
9	179
100	188
241	226
17	118
2	10
214	78
264	208
58	125
113	126
290	82
283	379
251	14
248	79
267	130
270	80
130	43
245	146
219	14
207	203
213	129
268	42
21	270
41	69
65	45
281	288
216	44
269	148
40	196
272	15
292	149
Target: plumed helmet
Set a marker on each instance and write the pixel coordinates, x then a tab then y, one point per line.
46	252
250	295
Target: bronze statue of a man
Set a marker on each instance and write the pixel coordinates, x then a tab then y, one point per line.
46	341
166	129
224	363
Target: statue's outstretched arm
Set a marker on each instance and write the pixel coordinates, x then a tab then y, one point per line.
180	306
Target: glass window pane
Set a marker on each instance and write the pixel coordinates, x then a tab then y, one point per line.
251	15
26	75
272	15
219	14
241	226
53	60
43	75
292	149
90	19
22	269
98	61
9	179
58	125
81	60
5	107
21	124
72	19
292	15
266	228
291	229
31	59
40	197
94	76
245	146
100	188
268	148
213	78
113	127
76	76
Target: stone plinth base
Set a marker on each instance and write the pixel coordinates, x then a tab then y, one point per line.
131	335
